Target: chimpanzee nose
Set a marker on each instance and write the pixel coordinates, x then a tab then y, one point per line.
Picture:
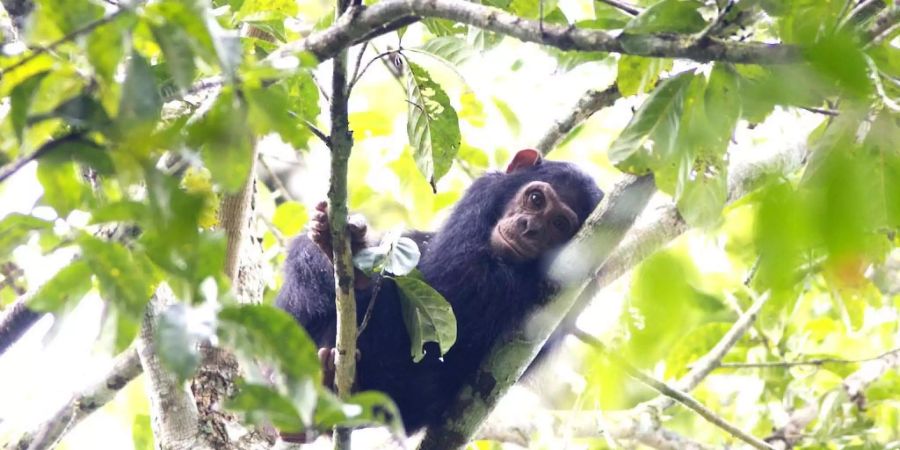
527	226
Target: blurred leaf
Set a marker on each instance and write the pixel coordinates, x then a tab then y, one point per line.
83	111
67	16
20	102
270	112
472	111
268	333
69	284
141	104
638	74
175	43
654	124
255	10
608	17
126	281
668	16
783	230
432	126
531	9
83	151
179	333
443	27
226	140
452	50
427	315
64	190
512	121
839	58
290	217
121	211
263	405
693	345
105	46
141	433
15	229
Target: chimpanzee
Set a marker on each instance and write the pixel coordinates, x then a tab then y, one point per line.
488	260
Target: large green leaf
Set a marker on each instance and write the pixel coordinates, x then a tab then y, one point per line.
638	74
432	125
268	333
452	50
668	16
649	138
264	405
69	284
226	141
427	315
140	104
175	43
702	190
15	229
64	189
270	112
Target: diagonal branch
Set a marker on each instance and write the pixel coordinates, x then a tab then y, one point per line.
359	22
589	103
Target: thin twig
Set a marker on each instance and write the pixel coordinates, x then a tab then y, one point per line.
281	187
319	133
672	392
823	111
371	307
359	75
628	8
72	35
809	362
356	67
13	167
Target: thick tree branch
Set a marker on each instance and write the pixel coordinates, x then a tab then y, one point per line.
857	382
126	367
173	412
359	22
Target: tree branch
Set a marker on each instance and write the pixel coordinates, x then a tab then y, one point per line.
589	103
360	22
341	145
126	367
15	321
11	168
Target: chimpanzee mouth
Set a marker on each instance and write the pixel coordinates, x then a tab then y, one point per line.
520	253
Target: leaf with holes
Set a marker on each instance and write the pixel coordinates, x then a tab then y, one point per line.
432	125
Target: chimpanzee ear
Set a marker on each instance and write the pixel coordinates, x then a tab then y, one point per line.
524	158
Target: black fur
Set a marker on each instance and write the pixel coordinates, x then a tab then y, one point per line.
489	297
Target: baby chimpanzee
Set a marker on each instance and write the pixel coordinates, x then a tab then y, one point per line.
488	260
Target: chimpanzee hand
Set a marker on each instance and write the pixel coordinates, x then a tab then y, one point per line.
320	231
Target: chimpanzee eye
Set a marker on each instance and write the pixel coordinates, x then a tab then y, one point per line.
536	199
561	223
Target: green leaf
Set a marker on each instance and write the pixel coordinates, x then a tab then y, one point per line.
452	50
15	229
608	17
105	46
126	281
66	15
370	408
443	27
702	190
839	58
20	102
654	124
268	333
141	433
637	74
512	121
263	405
427	315
141	104
432	125
83	111
121	211
179	333
396	255
69	284
668	16
226	141
175	43
64	190
82	151
270	112
290	217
